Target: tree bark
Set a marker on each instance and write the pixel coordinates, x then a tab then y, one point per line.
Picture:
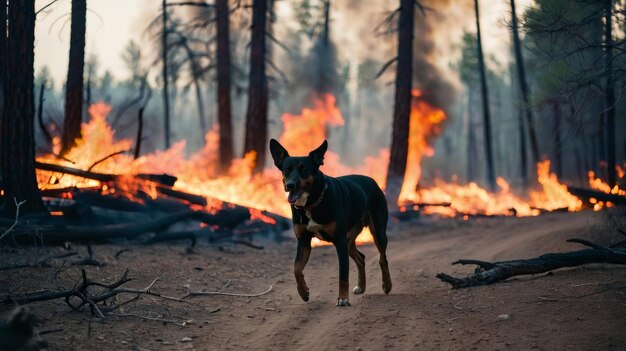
491	175
74	85
3	55
224	114
17	131
166	94
610	96
402	103
557	154
258	91
521	72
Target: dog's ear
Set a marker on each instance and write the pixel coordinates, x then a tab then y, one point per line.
318	154
279	153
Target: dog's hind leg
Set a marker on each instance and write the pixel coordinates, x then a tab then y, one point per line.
359	259
378	227
341	245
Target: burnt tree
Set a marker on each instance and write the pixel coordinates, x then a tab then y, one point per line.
521	74
258	90
491	175
17	130
556	133
166	94
609	94
224	114
3	54
74	85
402	102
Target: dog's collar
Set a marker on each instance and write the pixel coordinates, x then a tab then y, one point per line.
312	206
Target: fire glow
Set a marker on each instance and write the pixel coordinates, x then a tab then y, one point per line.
198	174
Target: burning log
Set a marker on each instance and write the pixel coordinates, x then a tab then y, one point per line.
489	273
224	218
164	179
588	194
113	202
191	198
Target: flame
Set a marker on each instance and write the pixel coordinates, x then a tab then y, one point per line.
424	124
99	150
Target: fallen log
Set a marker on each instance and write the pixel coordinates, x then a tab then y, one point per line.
164	179
492	272
587	194
224	218
112	202
58	234
181	195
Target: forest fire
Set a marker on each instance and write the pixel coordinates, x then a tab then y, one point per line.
99	151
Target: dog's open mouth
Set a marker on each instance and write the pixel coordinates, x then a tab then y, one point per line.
295	196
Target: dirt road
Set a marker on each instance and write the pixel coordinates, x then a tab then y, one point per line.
582	308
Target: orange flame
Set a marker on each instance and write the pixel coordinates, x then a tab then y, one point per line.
302	133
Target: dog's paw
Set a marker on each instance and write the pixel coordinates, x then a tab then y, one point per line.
343	302
358	290
304	294
387	288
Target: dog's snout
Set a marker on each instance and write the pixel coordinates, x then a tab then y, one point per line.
290	186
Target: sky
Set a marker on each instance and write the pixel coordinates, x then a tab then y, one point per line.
112	23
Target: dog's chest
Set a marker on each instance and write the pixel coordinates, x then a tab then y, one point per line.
321	231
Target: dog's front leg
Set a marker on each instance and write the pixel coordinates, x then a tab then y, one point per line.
302	257
341	244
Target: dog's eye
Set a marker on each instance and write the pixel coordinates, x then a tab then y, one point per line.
288	169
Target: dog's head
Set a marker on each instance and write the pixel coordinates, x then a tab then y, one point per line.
298	172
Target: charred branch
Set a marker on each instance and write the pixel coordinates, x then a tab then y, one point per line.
492	272
164	179
588	194
82	295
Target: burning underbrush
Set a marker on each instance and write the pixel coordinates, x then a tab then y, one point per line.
109	170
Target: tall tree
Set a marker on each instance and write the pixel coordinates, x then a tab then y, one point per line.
166	94
521	74
258	91
609	94
491	175
224	114
402	102
17	132
74	85
3	51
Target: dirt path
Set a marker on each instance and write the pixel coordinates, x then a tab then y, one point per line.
582	308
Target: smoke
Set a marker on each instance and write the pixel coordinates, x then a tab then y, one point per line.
433	50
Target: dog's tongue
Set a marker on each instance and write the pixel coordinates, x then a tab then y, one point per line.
294	196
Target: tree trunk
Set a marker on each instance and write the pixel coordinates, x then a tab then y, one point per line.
17	132
471	139
521	71
3	55
610	96
223	83
491	175
402	103
258	91
326	33
74	84
166	93
558	162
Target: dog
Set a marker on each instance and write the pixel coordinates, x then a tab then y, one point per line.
334	210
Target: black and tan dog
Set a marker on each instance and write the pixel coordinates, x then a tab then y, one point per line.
333	210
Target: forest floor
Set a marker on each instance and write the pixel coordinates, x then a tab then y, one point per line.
581	308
